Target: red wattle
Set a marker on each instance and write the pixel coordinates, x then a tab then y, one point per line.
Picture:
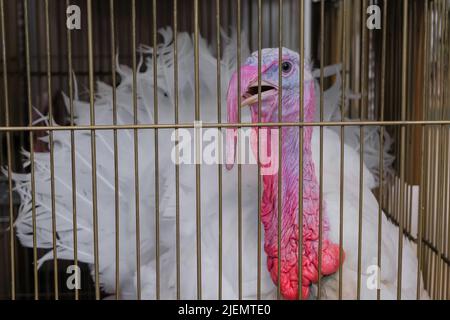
289	251
330	259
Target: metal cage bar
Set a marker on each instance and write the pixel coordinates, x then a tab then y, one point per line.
136	151
31	138
9	156
423	158
197	152
72	154
115	150
280	143
260	29
342	156
177	149
156	119
322	57
93	148
52	159
363	108
301	132
239	186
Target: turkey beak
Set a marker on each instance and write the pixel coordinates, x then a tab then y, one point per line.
251	95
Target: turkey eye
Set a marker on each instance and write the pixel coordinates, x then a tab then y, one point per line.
286	67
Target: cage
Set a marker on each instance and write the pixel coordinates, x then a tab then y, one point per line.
391	59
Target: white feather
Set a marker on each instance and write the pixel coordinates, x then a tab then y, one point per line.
369	235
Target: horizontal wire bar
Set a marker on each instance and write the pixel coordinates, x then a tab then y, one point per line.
228	125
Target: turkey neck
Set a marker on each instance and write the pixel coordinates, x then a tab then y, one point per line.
289	250
289	166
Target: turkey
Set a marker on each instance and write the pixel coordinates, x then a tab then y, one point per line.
289	166
209	189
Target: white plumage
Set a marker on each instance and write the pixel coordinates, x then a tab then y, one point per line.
209	192
369	247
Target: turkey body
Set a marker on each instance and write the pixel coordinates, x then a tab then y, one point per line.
164	261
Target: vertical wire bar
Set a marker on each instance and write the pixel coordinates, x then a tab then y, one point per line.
238	22
93	148
438	208
397	195
439	147
322	57
280	141
22	112
342	142
2	161
431	232
421	207
156	117
260	25
2	121
430	148
72	153
361	143
177	148
116	151
428	179
59	6
300	148
410	198
382	130
136	150
219	120
9	160
441	212
446	182
426	187
446	143
52	158
197	153
31	137
438	150
402	146
443	218
447	170
434	150
446	219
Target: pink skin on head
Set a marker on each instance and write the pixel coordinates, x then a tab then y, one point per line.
269	208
